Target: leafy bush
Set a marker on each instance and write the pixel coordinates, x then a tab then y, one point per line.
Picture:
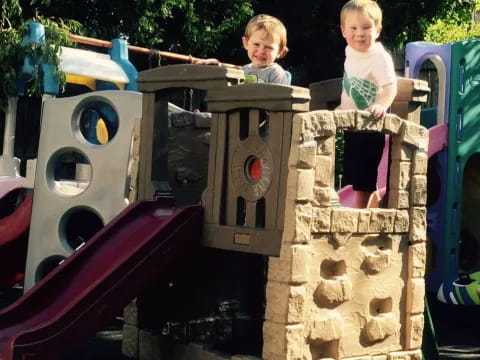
14	52
457	23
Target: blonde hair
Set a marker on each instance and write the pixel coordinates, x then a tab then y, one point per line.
272	26
369	7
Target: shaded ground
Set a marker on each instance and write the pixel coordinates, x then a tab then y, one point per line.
105	345
457	329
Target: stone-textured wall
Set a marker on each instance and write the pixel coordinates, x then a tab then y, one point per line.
349	282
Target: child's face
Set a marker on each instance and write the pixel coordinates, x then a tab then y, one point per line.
262	49
359	30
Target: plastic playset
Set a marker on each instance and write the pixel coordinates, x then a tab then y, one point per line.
97	224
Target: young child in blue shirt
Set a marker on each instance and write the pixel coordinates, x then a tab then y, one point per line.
265	41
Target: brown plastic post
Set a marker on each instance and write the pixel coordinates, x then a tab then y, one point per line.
242	213
156	84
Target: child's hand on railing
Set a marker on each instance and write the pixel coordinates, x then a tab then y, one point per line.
378	110
210	61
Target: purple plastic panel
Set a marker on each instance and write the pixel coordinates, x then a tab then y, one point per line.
416	53
83	293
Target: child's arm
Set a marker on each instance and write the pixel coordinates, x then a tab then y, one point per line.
383	100
210	61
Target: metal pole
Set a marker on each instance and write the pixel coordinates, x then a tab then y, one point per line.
167	54
10	122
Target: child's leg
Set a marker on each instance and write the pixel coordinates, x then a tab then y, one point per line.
361	199
362	154
374	200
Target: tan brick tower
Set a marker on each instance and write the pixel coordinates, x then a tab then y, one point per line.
349	283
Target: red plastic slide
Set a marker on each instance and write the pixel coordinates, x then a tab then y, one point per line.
85	292
13	242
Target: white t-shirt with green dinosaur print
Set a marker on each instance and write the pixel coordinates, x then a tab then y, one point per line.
365	73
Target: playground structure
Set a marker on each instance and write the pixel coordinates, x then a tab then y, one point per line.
92	70
244	212
452	228
342	283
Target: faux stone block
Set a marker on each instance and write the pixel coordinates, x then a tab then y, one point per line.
327	328
415	135
282	341
291	266
380	327
398	199
326	145
333	292
414	331
344	220
417	257
392	124
318	123
415	296
377	262
307	153
418	190
382	220
401	221
324	171
364	220
401	151
305	183
400	175
303	222
286	303
418	224
321	220
366	121
419	163
321	196
345	119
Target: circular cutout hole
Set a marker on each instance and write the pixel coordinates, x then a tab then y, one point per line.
78	225
69	173
47	266
97	122
253	169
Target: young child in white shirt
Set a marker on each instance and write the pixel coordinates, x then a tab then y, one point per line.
369	83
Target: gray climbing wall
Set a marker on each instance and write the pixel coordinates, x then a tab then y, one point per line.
80	184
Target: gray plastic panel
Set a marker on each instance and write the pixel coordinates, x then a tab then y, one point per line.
104	197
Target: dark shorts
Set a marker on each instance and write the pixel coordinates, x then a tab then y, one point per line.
361	155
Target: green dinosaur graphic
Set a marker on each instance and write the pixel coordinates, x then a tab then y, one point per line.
363	92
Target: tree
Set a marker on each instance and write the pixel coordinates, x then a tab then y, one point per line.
317	47
213	28
197	27
14	52
458	24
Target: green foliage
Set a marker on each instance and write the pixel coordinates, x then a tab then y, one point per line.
213	28
14	52
406	20
10	9
443	31
454	24
197	27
